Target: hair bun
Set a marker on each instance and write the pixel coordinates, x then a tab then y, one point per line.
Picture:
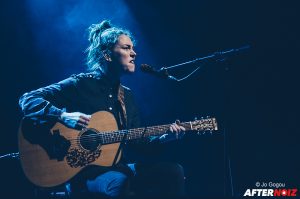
97	29
104	25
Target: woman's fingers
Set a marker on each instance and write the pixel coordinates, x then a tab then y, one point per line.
84	119
177	128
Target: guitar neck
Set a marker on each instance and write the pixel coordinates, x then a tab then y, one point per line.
138	133
207	124
153	131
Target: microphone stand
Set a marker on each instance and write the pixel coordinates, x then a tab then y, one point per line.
217	56
229	189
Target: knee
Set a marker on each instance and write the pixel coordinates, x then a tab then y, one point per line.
110	184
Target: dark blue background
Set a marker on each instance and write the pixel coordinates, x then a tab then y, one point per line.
253	95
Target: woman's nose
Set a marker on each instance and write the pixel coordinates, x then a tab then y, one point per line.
133	53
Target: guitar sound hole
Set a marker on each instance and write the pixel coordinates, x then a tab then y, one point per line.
90	140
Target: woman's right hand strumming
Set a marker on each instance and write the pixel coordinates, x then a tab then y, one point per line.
75	120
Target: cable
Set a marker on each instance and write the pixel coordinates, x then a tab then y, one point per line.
10	155
178	80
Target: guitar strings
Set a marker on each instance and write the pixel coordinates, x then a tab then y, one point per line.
113	136
110	136
133	133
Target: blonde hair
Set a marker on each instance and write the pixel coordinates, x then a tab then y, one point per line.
102	38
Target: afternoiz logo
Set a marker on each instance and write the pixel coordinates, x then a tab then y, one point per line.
271	192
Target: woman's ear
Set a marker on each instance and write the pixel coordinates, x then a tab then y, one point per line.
106	55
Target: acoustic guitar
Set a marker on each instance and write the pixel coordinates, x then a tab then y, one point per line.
54	158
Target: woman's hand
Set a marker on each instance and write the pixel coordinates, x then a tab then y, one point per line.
75	120
175	127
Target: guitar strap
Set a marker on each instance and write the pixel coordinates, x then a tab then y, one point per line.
123	119
122	113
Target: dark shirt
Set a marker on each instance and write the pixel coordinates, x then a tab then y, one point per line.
86	93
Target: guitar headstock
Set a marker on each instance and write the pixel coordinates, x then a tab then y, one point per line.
205	124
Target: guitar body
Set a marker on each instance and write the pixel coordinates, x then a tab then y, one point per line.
47	170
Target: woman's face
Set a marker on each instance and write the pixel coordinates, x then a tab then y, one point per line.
123	54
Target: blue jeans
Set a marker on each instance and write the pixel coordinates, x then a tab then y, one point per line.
165	179
111	183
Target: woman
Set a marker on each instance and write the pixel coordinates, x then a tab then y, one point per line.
72	101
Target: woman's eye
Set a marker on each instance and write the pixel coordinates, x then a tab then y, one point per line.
126	47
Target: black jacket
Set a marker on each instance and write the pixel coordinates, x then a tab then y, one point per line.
86	93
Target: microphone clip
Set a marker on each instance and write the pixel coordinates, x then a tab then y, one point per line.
162	72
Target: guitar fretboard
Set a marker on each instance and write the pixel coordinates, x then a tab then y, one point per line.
137	133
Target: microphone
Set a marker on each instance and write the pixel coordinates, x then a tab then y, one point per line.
162	73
